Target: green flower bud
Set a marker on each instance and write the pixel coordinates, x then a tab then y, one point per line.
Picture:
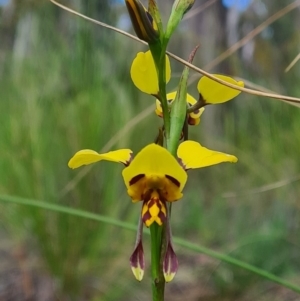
180	7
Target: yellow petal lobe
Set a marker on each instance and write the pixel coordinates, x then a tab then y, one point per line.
193	155
154	168
214	92
88	156
143	73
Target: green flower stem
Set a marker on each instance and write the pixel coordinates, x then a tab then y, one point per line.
158	280
163	92
158	233
158	52
132	227
158	237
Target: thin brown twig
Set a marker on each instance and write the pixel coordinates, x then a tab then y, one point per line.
249	91
251	35
252	85
291	65
97	22
199	70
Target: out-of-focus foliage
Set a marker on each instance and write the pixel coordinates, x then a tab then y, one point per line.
65	85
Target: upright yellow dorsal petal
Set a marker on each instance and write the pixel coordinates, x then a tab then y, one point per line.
155	160
153	165
193	155
88	156
143	73
214	92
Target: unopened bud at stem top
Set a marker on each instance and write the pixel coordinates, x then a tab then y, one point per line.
142	21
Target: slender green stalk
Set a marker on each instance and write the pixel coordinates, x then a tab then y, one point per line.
158	52
163	95
193	247
158	235
158	280
163	91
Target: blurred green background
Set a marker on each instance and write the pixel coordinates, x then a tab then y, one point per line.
65	86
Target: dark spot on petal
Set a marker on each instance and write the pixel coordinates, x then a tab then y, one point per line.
146	217
173	180
191	121
196	111
162	216
136	179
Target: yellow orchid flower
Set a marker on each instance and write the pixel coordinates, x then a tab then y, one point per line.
143	73
154	176
213	92
193	117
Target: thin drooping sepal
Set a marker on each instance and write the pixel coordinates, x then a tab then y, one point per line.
137	260
170	262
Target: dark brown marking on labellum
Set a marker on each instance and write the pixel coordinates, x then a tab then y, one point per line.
136	179
146	216
162	216
173	180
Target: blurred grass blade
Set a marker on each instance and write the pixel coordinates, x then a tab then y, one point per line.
67	210
128	226
236	262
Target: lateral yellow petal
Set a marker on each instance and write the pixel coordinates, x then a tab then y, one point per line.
88	156
214	92
143	73
155	162
193	155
